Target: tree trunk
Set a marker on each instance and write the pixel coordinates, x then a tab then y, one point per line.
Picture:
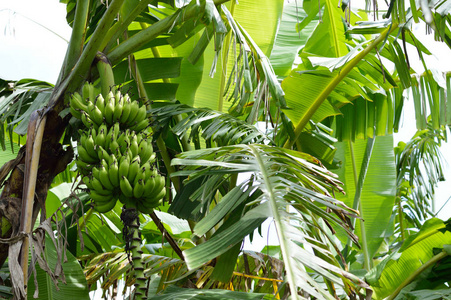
53	160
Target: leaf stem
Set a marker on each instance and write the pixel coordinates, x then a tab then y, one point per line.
119	27
278	222
81	68
417	272
77	38
144	36
167	236
333	84
356	205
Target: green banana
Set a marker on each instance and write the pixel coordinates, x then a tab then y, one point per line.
141	125
103	154
139	176
100	103
124	165
125	142
89	92
138	189
77	102
89	145
114	146
126	109
95	196
104	178
113	132
118	109
128	202
147	171
83	167
149	186
75	112
104	128
95	114
134	110
121	142
158	185
87	181
109	110
145	150
100	138
126	187
83	137
159	196
133	169
116	152
87	120
141	115
146	207
118	97
95	172
110	161
92	131
98	187
106	207
84	155
134	148
154	199
113	173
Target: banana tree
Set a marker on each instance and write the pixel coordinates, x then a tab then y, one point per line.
207	72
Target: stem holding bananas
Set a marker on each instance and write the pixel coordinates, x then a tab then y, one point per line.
105	73
132	238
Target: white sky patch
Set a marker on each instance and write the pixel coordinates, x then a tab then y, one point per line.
28	50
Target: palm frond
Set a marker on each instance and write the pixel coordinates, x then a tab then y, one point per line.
18	100
292	189
419	164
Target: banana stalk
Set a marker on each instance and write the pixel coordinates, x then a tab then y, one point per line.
132	238
105	73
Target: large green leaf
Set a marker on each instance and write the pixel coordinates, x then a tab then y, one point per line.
416	251
260	20
288	41
75	287
301	90
328	39
379	188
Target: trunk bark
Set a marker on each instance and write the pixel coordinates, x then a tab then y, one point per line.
53	160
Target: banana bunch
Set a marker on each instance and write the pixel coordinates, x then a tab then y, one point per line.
115	155
93	110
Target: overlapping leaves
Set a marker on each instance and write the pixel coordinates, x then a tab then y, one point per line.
205	123
291	188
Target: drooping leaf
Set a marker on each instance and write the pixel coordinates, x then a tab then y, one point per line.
76	286
278	175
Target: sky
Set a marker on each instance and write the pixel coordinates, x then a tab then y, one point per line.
29	50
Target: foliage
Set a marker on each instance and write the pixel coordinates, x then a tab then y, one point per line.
259	110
